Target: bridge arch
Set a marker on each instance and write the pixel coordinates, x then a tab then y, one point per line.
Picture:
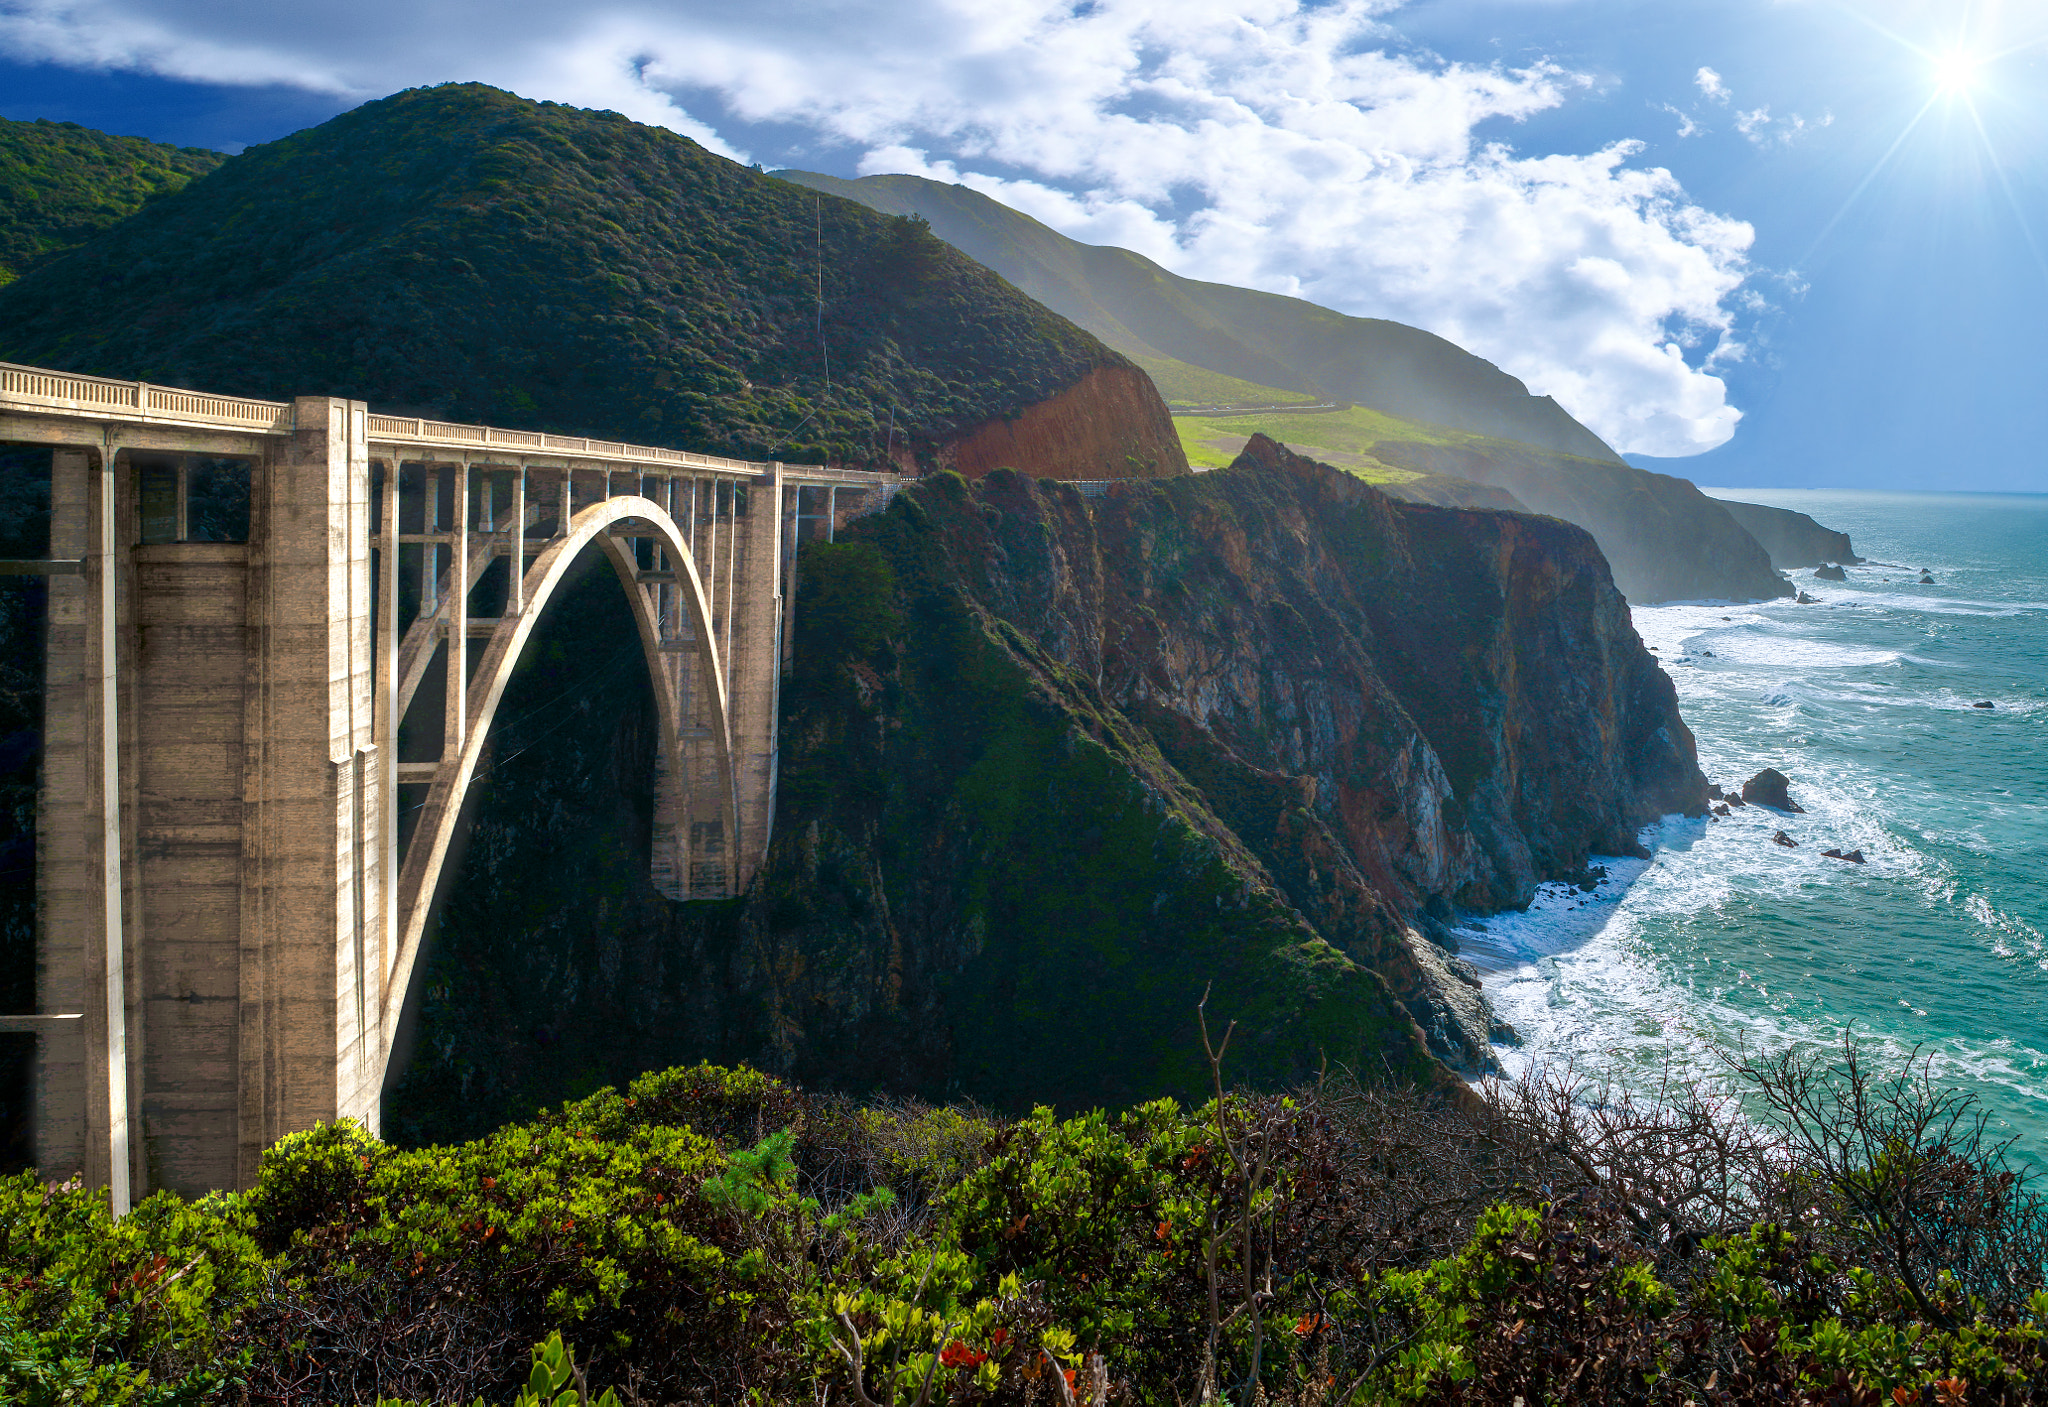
697	690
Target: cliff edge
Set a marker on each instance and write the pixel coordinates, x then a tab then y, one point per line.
1793	539
1664	539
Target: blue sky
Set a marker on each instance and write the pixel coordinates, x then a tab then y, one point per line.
1753	241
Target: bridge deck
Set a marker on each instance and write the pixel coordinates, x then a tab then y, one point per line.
35	393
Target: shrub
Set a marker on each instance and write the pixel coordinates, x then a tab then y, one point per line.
716	1235
94	1310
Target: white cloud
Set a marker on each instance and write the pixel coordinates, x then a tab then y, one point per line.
1710	83
1764	130
1280	144
1688	125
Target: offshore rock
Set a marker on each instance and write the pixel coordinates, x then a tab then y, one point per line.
1768	788
1830	573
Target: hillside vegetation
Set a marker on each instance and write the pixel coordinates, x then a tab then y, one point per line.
713	1236
61	183
461	252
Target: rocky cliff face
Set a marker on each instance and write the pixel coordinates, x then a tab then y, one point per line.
1110	424
1051	766
1664	539
1792	539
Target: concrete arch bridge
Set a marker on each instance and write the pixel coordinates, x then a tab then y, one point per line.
277	636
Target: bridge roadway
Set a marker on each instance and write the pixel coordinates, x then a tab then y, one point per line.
256	751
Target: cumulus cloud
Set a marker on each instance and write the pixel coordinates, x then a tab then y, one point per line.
1280	144
1710	84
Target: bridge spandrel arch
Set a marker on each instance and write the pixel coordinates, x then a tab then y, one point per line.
697	816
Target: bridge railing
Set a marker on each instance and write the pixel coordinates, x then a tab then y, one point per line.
31	389
405	429
35	388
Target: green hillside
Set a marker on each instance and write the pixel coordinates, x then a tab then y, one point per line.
1183	385
1345	438
458	251
61	183
1162	320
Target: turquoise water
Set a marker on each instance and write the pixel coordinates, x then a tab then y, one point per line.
1865	701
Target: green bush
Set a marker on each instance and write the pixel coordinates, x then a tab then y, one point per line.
135	1311
717	1235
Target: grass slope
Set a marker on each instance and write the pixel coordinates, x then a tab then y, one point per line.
61	183
1264	339
458	251
1345	438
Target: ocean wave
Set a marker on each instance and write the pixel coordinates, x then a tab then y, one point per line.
1939	942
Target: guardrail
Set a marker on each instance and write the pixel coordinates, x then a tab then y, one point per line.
33	388
29	388
404	429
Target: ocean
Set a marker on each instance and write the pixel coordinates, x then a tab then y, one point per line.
1866	700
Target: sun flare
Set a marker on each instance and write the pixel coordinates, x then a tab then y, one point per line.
1956	71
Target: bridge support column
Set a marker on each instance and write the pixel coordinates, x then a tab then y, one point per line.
71	1078
755	625
311	1038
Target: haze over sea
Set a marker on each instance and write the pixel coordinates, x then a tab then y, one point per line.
1866	701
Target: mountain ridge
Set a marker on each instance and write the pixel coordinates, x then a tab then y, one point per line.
1467	421
461	252
61	183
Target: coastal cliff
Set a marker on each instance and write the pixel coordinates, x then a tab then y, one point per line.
1110	424
1793	539
1664	539
1051	766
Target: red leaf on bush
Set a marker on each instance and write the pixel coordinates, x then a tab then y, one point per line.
959	1355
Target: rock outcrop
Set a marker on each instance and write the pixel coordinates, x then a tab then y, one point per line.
1110	424
1793	539
1051	766
1770	788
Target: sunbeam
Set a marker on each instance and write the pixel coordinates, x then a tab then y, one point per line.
1864	184
2012	199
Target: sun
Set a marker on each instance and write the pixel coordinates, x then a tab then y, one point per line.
1956	71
